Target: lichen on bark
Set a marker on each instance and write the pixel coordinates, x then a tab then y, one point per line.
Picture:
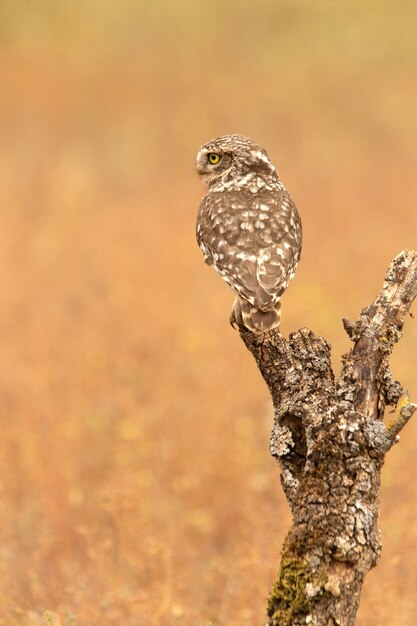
330	441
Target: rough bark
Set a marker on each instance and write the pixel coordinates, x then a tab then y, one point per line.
330	442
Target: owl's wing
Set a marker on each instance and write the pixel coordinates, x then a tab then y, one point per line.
203	229
252	240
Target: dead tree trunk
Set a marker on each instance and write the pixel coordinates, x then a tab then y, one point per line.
331	442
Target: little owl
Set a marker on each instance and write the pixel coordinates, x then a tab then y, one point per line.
248	227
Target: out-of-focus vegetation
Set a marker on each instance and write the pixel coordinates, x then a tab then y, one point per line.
135	482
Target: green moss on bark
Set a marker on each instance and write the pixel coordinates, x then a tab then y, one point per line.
289	597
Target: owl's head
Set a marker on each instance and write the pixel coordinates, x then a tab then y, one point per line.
232	156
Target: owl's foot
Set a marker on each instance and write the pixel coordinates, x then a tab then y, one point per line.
236	320
233	321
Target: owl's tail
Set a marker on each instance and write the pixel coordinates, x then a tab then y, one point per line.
254	319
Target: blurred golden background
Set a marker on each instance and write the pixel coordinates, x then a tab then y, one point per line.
136	484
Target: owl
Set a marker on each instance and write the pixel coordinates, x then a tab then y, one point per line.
248	228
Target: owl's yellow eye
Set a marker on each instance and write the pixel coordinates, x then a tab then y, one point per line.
213	158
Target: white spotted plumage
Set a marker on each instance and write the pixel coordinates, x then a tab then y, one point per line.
248	228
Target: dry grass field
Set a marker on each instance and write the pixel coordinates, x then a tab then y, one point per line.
136	488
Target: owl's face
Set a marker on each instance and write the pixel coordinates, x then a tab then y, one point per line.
231	156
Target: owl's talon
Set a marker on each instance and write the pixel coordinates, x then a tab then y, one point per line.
232	320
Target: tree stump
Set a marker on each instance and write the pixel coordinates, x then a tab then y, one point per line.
330	441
